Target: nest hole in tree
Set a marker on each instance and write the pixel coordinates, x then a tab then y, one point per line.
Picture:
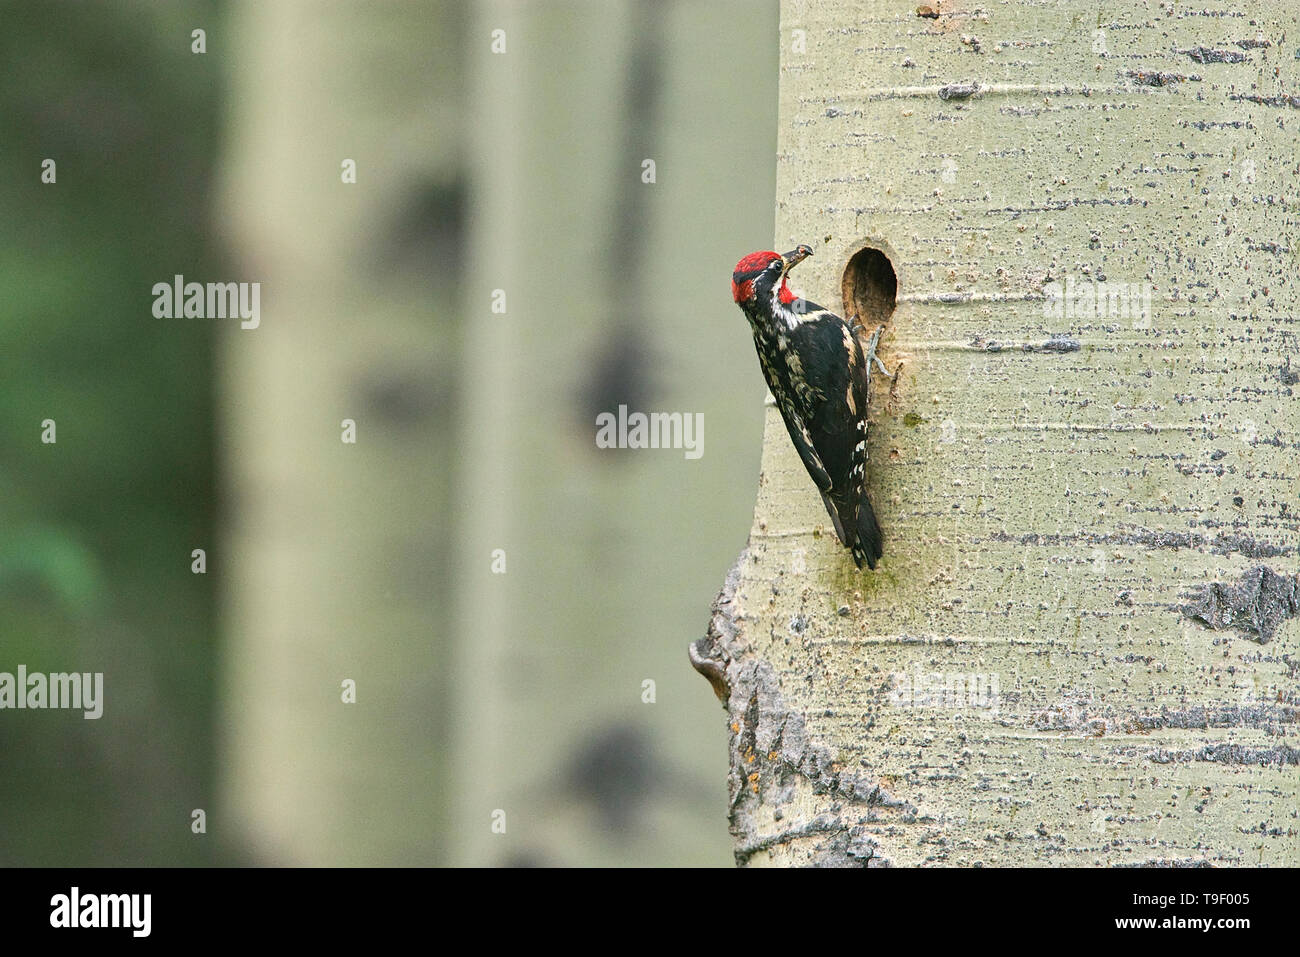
869	288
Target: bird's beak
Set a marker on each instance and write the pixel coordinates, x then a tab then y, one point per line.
796	256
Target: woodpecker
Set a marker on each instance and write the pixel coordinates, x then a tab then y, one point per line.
820	377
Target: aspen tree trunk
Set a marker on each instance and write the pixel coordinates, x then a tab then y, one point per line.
575	572
330	565
1077	648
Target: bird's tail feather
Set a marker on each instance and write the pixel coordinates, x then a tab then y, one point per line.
833	510
867	541
856	526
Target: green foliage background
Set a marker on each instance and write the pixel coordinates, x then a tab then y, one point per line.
96	530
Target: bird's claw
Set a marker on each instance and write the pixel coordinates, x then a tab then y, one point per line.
872	358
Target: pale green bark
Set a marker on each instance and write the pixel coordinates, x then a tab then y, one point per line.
1046	513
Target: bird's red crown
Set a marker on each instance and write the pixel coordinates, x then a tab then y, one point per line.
742	278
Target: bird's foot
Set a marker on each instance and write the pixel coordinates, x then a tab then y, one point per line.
872	358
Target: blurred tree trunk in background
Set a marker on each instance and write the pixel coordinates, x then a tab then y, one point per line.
476	429
1043	670
616	294
334	563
